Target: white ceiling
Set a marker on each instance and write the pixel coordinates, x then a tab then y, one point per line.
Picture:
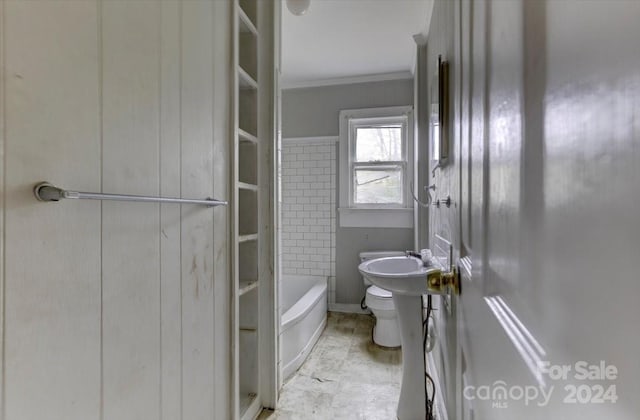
338	39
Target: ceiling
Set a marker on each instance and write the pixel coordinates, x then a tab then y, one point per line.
340	39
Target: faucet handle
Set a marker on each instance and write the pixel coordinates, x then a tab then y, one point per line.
426	256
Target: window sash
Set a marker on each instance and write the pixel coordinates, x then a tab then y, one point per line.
398	123
376	163
379	166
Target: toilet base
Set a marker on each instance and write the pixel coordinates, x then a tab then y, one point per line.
386	332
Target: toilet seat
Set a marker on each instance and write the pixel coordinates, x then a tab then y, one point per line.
379	299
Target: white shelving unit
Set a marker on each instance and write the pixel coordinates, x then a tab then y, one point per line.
252	207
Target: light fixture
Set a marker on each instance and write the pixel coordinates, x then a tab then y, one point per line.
298	7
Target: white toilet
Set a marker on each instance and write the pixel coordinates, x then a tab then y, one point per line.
386	332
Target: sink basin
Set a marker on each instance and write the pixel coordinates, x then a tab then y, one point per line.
399	275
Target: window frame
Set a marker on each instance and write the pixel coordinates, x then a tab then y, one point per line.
353	214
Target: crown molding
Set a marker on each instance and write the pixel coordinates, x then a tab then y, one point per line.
381	77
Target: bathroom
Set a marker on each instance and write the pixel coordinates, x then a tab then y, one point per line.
319	246
180	235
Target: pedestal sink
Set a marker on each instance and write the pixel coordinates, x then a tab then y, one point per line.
408	279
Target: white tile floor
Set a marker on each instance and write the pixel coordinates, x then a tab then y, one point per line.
346	376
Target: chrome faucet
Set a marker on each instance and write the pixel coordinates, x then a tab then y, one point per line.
413	254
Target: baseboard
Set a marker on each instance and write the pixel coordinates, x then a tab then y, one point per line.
349	308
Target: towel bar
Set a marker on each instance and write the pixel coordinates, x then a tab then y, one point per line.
47	192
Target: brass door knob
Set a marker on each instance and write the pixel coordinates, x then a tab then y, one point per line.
444	282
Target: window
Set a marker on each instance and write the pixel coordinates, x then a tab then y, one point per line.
378	163
375	170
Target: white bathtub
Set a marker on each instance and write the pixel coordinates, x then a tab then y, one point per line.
303	309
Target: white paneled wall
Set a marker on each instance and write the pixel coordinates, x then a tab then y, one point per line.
114	310
308	206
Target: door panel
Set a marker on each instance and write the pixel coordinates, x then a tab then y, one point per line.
549	169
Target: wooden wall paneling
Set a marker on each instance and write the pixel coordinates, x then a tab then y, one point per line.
268	330
198	331
131	234
115	310
2	201
52	261
170	224
234	219
222	138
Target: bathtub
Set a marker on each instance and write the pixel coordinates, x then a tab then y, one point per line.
303	316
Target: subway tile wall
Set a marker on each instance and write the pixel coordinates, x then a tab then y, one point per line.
308	207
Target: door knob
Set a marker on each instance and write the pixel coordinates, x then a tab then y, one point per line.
444	282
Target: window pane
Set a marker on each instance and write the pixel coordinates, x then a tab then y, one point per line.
381	143
378	186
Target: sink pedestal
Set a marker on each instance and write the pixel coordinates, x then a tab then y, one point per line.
408	279
411	405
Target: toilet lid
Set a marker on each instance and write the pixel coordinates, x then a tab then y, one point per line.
378	292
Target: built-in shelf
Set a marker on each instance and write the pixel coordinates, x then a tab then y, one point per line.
248	163
246	286
248	49
248	406
248	330
248	283
248	238
248	320
247	209
253	24
245	186
248	111
245	80
250	9
246	25
246	137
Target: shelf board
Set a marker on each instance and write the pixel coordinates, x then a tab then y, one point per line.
246	25
246	286
249	406
247	186
244	136
247	238
245	80
248	330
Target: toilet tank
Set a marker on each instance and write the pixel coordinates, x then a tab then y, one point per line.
370	255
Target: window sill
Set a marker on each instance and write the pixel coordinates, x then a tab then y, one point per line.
384	218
